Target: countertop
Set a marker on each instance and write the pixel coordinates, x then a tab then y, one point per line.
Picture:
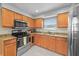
6	37
64	35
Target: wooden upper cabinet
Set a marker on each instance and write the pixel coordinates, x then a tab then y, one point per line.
25	18
18	16
62	20
38	23
7	18
29	21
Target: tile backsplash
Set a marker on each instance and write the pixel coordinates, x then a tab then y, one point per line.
57	30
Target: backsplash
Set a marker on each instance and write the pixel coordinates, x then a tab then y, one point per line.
56	30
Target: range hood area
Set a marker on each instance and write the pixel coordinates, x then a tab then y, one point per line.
39	29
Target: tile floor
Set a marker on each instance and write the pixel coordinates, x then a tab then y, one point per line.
38	51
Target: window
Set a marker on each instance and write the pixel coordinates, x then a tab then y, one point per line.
50	22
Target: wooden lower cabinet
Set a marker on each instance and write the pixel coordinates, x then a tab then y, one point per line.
7	18
8	47
61	45
41	40
47	41
10	50
53	43
37	39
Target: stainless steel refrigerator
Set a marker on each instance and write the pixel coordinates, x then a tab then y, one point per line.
74	33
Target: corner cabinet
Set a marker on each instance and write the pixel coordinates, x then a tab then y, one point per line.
62	20
38	23
29	21
18	16
7	18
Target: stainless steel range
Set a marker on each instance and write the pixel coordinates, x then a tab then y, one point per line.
21	32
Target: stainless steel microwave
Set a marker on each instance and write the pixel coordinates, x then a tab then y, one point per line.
18	23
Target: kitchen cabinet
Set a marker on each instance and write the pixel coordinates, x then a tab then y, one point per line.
62	20
18	16
39	40
25	18
46	41
9	50
52	43
29	21
49	42
42	40
8	47
61	45
38	23
7	18
36	39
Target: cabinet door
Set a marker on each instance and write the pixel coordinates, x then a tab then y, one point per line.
25	18
65	47
61	46
7	18
10	50
41	40
39	23
18	16
52	43
36	39
30	22
46	41
62	20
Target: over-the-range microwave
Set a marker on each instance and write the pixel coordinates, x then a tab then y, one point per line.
18	23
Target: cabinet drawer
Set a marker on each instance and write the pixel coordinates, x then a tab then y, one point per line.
9	41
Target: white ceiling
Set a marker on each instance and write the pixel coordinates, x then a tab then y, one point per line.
31	8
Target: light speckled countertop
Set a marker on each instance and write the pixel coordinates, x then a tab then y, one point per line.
64	35
6	37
